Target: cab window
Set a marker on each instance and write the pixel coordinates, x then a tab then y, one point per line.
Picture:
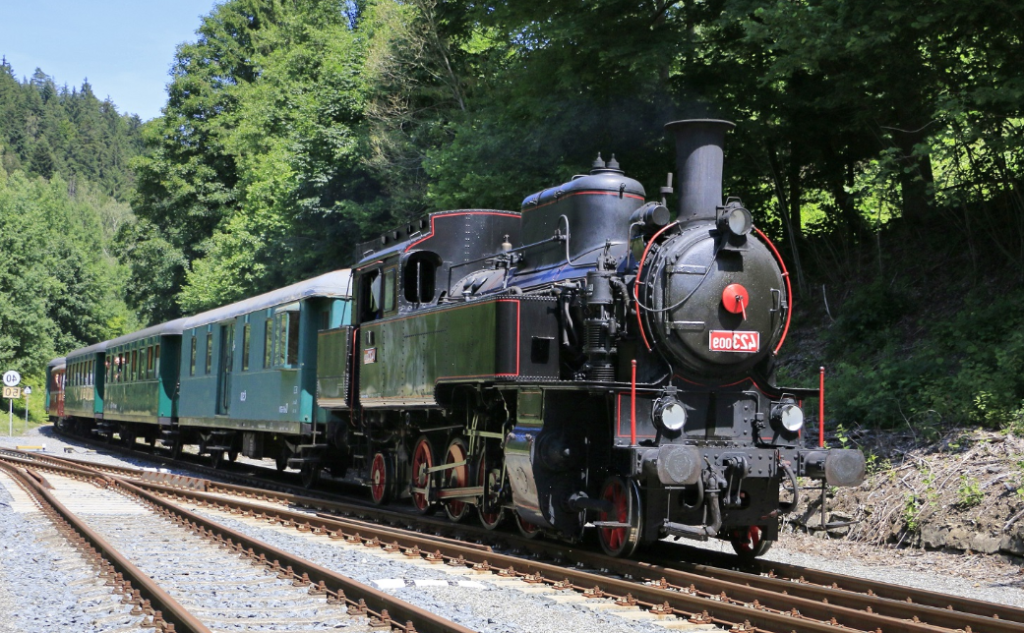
389	290
369	296
418	278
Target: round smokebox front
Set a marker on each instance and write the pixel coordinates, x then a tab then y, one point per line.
716	306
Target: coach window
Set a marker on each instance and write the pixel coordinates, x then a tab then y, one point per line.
149	362
192	362
268	343
156	360
286	327
418	280
245	347
209	351
134	366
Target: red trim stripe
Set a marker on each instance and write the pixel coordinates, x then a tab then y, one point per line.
789	288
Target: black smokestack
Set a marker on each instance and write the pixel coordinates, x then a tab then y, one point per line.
699	144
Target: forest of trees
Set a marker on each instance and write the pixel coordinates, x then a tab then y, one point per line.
64	191
872	138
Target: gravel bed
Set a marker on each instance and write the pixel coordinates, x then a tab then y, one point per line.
981	577
58	447
45	585
472	602
993	578
226	593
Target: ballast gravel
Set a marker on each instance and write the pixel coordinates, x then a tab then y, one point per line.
45	585
982	577
477	604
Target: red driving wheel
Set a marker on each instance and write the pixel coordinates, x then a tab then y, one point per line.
622	538
456	477
380	479
749	542
527	529
422	461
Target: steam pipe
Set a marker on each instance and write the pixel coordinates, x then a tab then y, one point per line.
699	157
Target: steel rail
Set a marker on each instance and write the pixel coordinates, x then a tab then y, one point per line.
898	601
171	610
381	607
726	601
390	610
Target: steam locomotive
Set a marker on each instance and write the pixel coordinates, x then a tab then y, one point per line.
583	363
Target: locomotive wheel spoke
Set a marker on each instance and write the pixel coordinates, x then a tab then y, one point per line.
381	474
527	529
457	477
422	461
489	509
624	498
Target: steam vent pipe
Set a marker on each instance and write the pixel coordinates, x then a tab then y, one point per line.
699	144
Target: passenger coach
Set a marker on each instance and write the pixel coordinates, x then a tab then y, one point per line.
237	379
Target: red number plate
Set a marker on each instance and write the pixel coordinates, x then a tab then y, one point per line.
729	341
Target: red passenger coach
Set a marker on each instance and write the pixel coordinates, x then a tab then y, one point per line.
55	388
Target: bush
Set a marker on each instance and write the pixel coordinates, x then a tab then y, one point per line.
894	367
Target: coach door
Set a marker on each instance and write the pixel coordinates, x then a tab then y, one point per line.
226	365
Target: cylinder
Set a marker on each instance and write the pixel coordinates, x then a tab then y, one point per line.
699	150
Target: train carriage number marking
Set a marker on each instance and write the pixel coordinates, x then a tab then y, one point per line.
729	341
370	356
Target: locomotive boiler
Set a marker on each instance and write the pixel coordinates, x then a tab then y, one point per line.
585	362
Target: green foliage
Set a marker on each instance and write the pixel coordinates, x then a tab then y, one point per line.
59	287
892	363
968	493
865	318
912	508
47	130
253	178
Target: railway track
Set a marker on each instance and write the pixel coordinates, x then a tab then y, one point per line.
182	572
782	598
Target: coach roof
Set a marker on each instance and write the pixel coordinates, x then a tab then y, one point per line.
171	328
98	348
333	284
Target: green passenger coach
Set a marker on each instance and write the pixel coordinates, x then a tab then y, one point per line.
248	373
84	385
141	383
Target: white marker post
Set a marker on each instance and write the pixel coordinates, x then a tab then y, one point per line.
27	392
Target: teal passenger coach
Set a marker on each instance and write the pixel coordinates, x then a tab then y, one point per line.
237	379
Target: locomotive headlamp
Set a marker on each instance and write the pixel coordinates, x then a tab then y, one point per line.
738	220
787	416
671	415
